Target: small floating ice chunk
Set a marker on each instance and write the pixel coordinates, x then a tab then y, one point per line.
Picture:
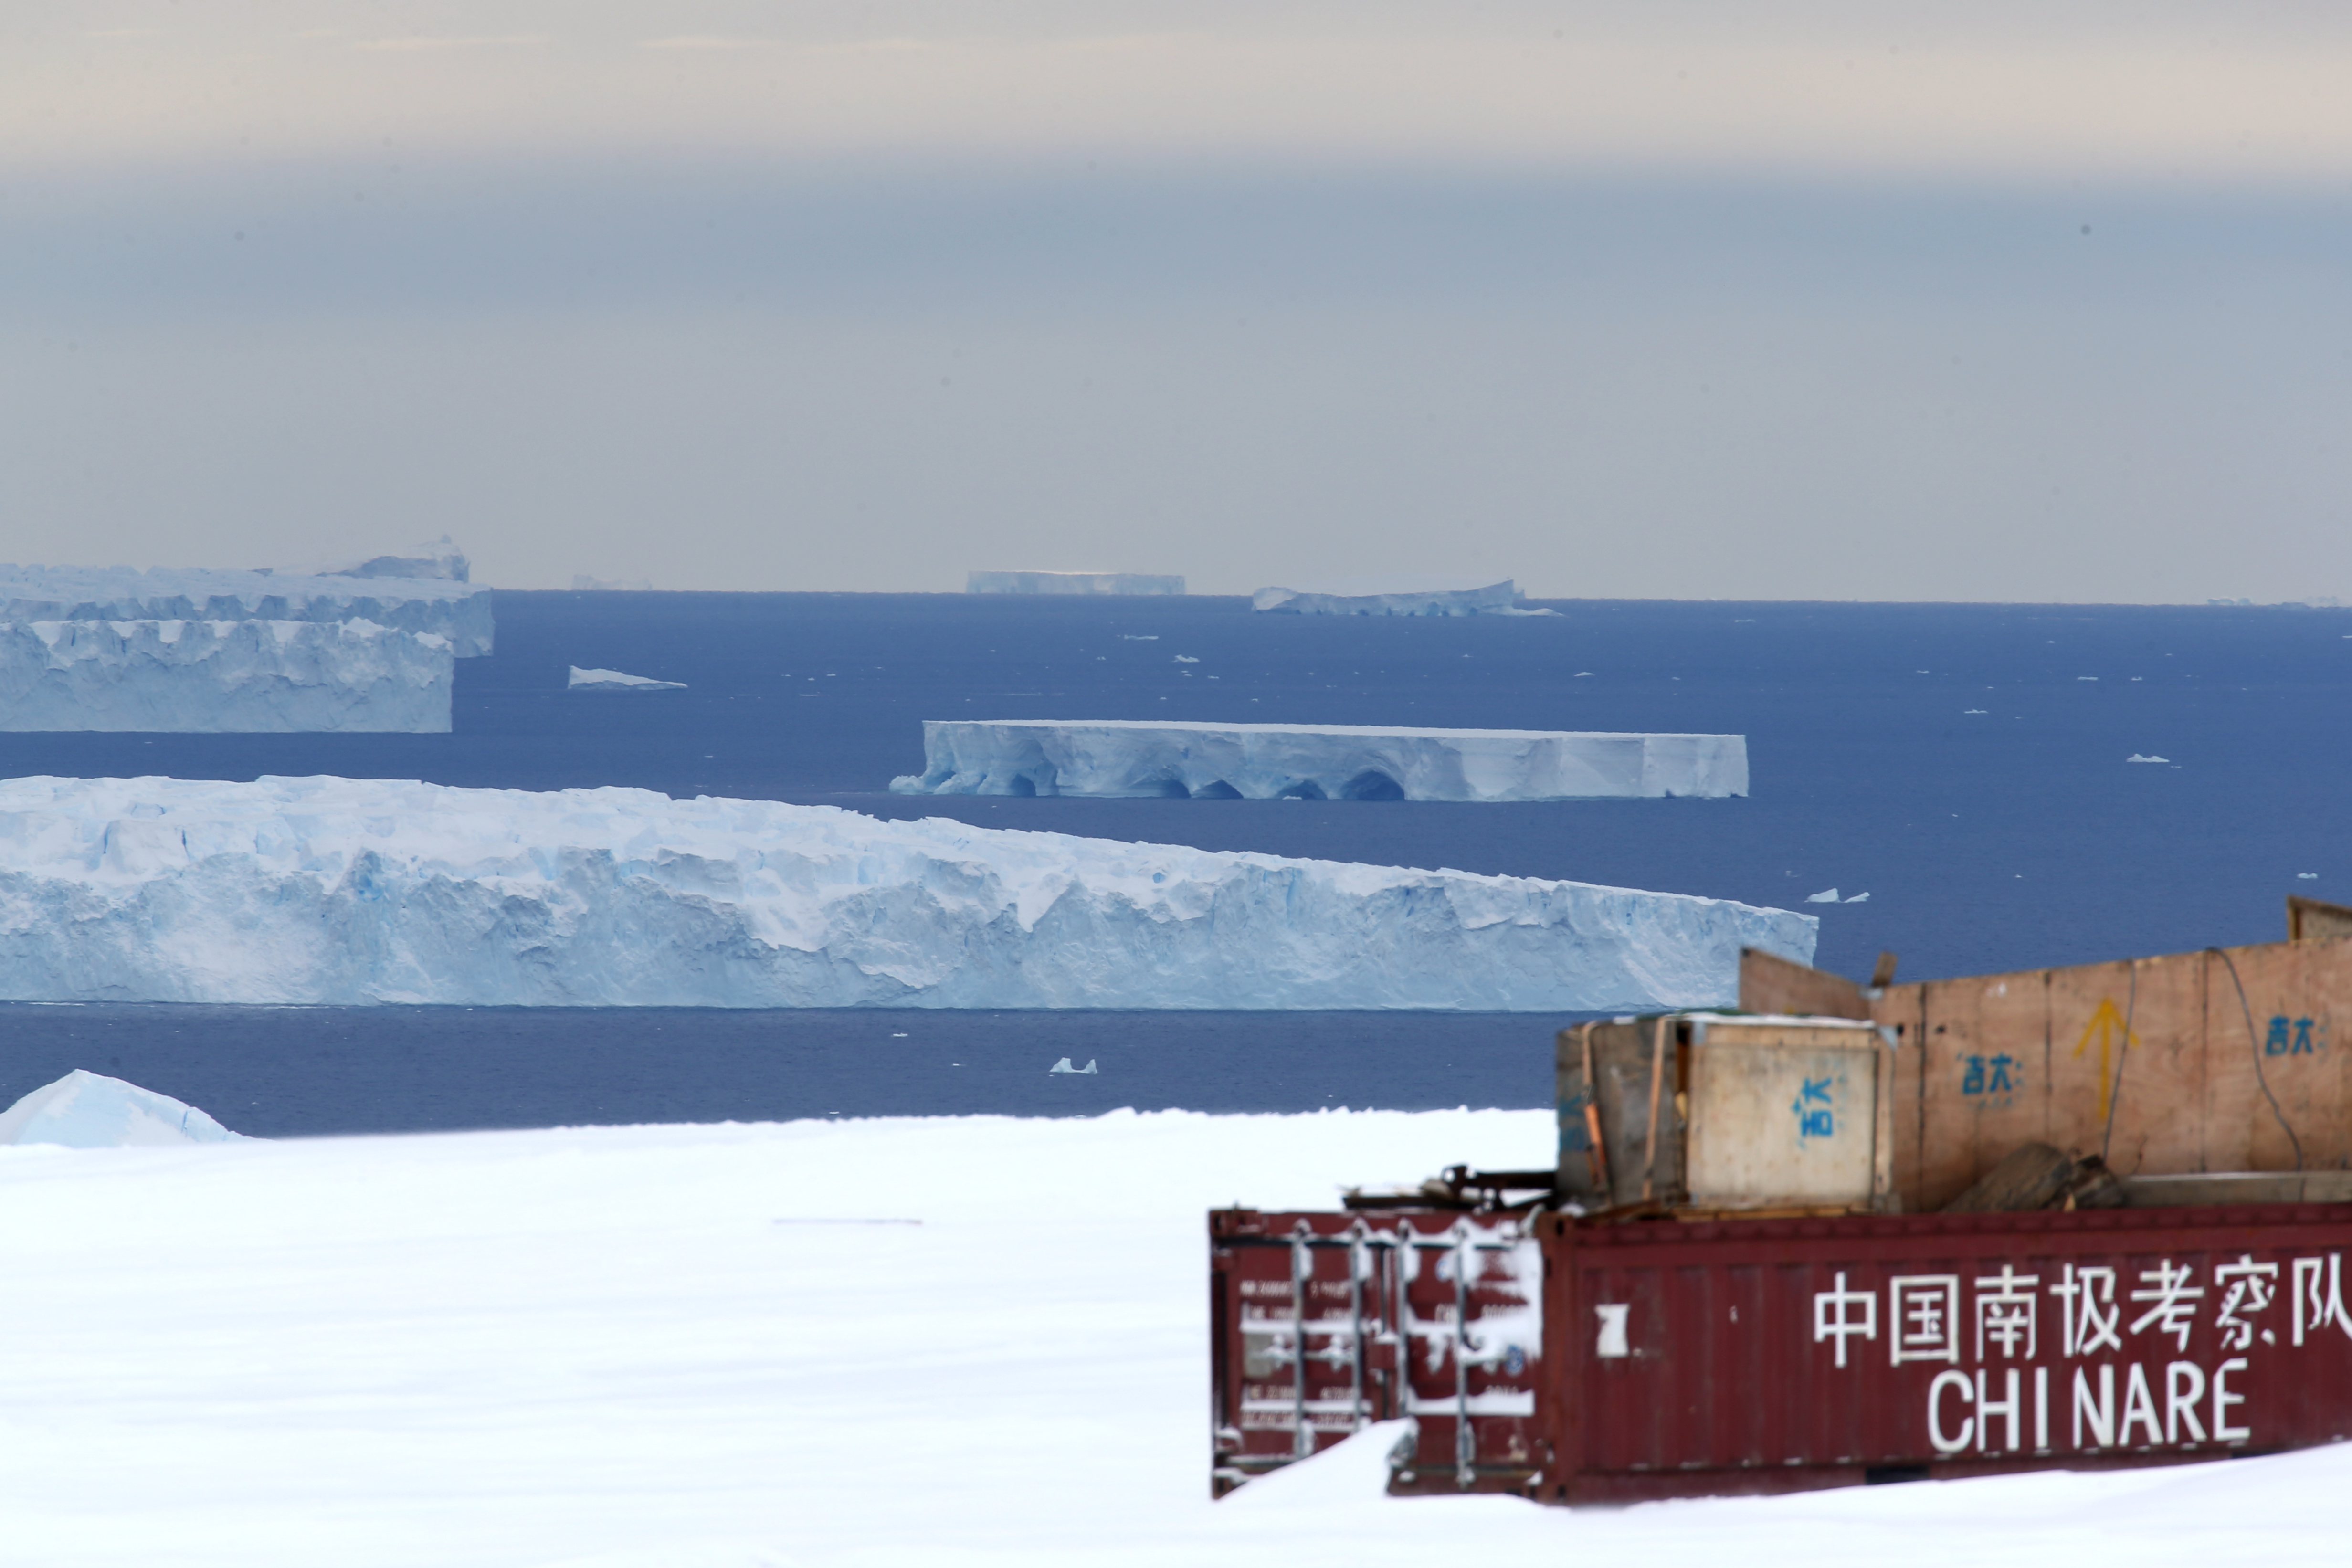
1132	637
1827	895
1859	898
1966	711
615	681
2135	757
2306	877
1186	659
1064	1066
87	1110
2086	677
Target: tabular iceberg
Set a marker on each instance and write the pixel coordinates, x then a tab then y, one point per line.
459	612
1350	598
87	1110
1071	582
250	676
350	891
1334	762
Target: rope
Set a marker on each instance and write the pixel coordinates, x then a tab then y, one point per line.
2122	1054
2255	1043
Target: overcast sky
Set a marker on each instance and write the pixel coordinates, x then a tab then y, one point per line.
1698	300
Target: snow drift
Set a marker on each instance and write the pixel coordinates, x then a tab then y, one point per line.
86	1110
458	611
1336	762
249	676
343	891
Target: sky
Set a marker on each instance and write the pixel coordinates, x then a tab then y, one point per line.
1687	298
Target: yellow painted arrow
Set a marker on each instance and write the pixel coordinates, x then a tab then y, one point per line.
2107	1024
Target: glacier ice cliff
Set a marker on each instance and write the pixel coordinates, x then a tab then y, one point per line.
348	890
459	612
1336	762
1373	598
252	676
1071	582
87	1110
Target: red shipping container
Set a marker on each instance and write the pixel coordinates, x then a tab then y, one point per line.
1322	1323
1724	1356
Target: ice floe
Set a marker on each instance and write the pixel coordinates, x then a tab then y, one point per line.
615	681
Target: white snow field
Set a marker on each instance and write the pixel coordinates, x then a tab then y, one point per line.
1378	598
615	681
346	891
87	1110
1336	762
459	612
944	1344
240	676
1072	582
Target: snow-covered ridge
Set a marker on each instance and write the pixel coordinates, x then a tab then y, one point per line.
347	891
1368	598
86	1110
1071	582
1355	762
250	676
458	611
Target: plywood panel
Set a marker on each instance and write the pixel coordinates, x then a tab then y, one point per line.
2044	1055
1775	984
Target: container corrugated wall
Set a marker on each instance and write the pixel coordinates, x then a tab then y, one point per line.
1765	1355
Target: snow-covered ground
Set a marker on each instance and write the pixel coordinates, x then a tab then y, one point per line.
350	891
1132	757
945	1344
458	611
226	676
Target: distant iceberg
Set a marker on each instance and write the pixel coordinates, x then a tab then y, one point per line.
1071	582
341	891
1466	597
434	561
615	681
458	611
1334	762
241	677
86	1110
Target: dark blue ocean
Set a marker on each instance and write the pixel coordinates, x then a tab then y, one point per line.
1963	765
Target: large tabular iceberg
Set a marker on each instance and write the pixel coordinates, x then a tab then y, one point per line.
1376	599
1317	762
1071	582
343	890
459	612
251	676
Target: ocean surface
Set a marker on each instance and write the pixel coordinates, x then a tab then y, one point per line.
1964	766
